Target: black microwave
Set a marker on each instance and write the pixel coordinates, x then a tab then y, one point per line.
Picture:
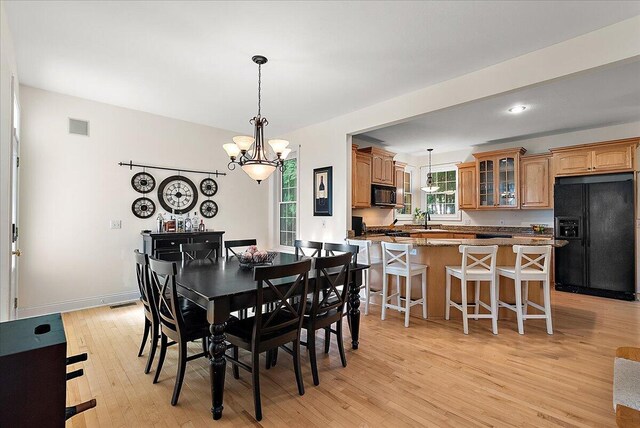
383	196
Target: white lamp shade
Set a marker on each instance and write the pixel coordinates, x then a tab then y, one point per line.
430	189
278	145
232	149
285	153
243	142
257	171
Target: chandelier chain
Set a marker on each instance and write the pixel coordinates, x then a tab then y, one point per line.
259	87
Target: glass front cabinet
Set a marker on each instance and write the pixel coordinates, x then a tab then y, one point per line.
498	176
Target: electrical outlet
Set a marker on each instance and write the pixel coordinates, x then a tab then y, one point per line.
467	222
501	222
413	252
115	224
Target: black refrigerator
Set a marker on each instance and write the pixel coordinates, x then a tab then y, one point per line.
596	215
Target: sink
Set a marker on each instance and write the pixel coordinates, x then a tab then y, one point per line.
429	230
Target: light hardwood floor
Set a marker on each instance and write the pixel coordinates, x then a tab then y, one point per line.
427	375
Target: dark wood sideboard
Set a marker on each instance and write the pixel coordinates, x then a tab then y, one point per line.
166	245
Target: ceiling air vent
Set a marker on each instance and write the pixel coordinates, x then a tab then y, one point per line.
79	127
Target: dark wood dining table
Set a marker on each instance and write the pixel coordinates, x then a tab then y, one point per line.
222	286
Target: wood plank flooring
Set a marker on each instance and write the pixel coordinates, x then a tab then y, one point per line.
429	374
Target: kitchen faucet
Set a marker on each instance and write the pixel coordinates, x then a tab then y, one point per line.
427	219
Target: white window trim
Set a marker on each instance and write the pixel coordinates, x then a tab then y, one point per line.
278	246
457	215
407	217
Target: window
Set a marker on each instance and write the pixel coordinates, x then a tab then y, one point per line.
407	210
442	203
288	202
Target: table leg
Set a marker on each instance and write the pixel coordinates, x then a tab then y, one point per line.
217	367
354	311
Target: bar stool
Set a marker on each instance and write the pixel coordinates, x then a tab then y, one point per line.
532	264
364	257
478	264
396	261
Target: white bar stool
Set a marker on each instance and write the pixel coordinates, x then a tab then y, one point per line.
364	257
481	268
532	264
396	261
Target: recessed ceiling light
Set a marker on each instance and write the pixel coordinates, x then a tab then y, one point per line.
517	109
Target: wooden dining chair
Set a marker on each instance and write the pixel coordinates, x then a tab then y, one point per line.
147	297
269	330
180	320
314	247
327	306
332	249
200	250
237	243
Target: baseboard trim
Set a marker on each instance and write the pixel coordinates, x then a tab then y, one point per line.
74	305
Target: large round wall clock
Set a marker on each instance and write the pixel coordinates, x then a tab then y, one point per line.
209	187
177	194
143	182
143	207
208	209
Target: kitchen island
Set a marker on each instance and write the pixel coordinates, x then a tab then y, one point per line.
438	253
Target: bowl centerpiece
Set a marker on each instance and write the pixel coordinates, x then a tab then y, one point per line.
255	257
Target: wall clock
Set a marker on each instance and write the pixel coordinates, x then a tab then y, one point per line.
208	187
143	182
177	194
143	207
208	209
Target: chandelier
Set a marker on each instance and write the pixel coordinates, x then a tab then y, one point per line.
250	152
430	188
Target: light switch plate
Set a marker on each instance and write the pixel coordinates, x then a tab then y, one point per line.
115	224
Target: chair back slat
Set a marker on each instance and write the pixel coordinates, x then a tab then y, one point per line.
144	283
532	257
290	299
163	278
331	249
364	249
396	253
314	248
331	288
479	257
196	250
237	243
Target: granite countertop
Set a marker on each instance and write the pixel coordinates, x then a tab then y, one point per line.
441	228
502	242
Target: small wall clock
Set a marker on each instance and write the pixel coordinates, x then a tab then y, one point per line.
143	182
177	194
208	209
143	207
208	187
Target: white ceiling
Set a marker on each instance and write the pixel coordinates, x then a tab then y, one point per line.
602	97
191	60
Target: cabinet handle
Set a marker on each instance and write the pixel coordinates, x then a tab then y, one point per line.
173	243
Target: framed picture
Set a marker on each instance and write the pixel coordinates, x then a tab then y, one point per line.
323	191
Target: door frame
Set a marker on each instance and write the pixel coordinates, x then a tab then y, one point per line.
14	192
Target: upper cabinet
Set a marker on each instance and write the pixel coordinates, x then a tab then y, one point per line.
498	178
598	158
398	168
536	182
467	187
360	179
382	168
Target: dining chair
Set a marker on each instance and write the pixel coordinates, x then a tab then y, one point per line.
364	256
332	249
268	330
237	243
314	246
532	264
147	297
478	265
200	250
180	320
327	306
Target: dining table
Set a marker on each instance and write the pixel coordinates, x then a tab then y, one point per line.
222	286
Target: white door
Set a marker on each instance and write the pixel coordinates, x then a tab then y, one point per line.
15	164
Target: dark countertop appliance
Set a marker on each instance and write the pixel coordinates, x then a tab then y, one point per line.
595	214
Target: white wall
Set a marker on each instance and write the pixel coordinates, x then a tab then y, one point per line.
328	143
72	187
7	70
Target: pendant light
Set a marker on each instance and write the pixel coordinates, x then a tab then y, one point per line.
250	152
430	188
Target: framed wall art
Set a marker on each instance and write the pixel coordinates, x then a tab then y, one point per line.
323	191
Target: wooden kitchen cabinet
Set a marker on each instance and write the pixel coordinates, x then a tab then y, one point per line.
399	183
467	187
597	158
535	181
498	178
361	180
382	168
354	150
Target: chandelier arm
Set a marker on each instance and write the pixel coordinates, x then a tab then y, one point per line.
231	165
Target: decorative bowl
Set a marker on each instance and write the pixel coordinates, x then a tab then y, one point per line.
249	260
